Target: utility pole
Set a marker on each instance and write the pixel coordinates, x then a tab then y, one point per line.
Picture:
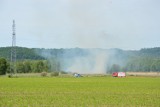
13	50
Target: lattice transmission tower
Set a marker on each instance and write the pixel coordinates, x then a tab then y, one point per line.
13	50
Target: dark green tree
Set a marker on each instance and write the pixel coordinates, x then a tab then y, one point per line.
115	68
38	66
27	66
3	66
20	67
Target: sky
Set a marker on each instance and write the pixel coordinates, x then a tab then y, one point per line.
124	24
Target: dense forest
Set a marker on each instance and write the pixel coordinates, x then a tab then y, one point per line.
86	60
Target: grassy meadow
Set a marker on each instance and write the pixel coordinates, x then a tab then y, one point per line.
80	92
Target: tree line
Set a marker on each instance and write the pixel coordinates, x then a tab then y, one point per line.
37	60
38	66
138	65
28	66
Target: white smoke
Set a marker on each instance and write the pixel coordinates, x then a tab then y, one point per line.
88	30
84	61
94	62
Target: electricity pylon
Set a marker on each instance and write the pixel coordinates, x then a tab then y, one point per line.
13	50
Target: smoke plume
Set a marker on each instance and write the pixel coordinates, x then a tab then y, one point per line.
84	61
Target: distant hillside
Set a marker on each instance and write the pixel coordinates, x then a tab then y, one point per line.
22	53
85	60
39	53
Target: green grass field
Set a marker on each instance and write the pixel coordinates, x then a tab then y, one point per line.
80	92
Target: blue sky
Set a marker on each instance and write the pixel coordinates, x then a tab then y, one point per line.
125	24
